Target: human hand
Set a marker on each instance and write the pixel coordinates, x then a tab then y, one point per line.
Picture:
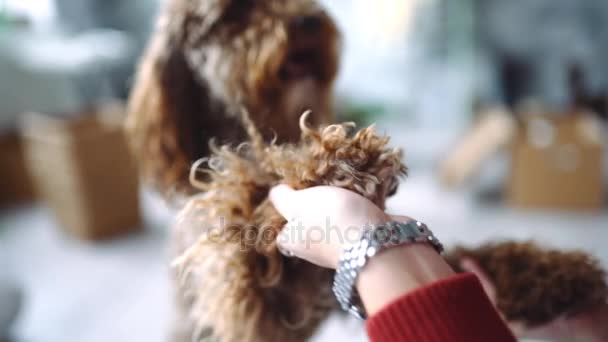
322	220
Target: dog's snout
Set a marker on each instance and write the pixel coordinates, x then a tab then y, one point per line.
307	23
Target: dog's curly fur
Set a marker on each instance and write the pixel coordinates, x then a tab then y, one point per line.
536	285
237	285
208	59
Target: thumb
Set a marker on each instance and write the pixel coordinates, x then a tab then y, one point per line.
282	197
284	242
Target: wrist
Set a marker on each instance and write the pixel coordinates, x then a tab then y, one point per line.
395	257
398	271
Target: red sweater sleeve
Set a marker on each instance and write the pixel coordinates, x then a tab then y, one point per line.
453	309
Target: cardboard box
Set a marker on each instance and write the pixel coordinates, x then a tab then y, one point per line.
557	163
15	183
83	170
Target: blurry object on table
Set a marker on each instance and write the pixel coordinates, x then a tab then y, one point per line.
584	98
531	46
87	62
557	162
545	104
15	183
556	159
493	131
49	73
69	18
84	172
515	79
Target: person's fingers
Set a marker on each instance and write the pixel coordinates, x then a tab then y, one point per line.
283	236
287	241
472	266
401	218
283	242
282	197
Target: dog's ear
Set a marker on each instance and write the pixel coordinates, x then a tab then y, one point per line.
165	111
171	114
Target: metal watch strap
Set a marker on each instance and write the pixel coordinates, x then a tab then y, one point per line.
372	242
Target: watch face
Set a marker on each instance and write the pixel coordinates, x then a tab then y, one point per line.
394	233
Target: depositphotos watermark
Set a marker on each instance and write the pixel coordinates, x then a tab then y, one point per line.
294	232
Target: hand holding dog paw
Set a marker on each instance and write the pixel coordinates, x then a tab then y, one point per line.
322	221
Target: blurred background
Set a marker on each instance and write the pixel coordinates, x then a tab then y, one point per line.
500	107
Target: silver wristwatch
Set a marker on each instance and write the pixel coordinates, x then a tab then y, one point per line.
372	242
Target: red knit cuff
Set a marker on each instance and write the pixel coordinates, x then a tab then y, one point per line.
452	309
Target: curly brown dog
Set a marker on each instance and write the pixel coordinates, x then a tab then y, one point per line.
210	59
233	282
536	285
